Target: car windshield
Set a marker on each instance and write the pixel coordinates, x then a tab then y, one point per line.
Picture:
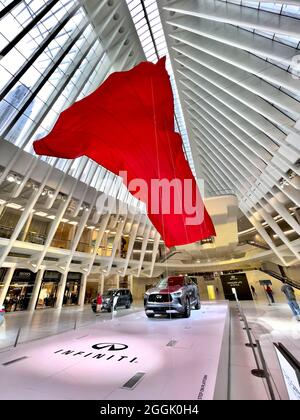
171	282
109	293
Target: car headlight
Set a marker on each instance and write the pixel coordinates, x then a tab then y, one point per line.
177	294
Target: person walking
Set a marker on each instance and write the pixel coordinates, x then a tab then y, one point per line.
291	298
99	303
270	293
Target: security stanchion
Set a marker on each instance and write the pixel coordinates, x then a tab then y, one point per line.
260	373
17	337
265	370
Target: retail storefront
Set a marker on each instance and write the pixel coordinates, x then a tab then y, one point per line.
20	291
71	295
91	292
48	292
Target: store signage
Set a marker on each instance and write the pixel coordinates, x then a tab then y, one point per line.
24	276
51	276
110	346
74	276
105	354
239	282
290	369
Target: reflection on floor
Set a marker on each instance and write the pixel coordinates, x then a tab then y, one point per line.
173	358
269	323
44	322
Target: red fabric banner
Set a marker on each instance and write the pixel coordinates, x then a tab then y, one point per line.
127	124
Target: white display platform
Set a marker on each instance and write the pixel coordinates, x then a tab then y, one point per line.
188	368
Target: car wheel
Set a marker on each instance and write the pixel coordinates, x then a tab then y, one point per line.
198	305
150	315
109	309
187	311
127	306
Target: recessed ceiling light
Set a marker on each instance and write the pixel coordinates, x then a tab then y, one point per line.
41	214
51	217
13	206
10	178
73	223
65	220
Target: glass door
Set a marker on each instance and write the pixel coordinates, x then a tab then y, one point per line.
72	290
18	297
47	296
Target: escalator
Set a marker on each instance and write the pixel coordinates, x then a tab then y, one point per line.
253	243
169	255
280	277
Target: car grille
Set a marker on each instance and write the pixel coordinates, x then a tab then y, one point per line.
160	298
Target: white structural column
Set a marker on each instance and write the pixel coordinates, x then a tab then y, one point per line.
101	284
82	289
132	235
2	207
117	280
130	282
36	289
117	239
101	232
61	290
59	216
8	276
26	227
144	247
25	214
154	253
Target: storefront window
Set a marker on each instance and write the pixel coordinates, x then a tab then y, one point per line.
72	289
91	292
20	291
48	291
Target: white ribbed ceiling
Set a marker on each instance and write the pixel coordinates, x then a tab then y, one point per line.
234	66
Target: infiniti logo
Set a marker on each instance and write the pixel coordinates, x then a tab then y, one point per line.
110	346
106	353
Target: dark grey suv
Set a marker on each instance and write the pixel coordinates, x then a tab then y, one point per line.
122	297
172	295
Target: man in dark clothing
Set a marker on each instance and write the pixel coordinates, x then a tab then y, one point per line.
291	298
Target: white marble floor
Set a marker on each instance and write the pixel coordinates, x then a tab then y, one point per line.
45	322
269	324
83	363
273	324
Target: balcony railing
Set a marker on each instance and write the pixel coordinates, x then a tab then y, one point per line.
33	237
